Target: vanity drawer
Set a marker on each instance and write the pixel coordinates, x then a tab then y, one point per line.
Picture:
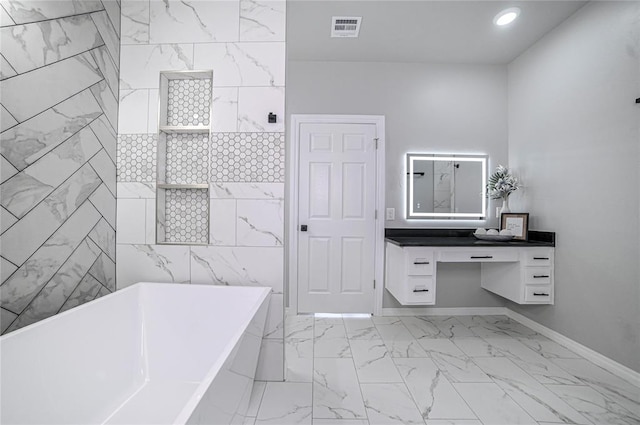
538	257
480	256
419	290
537	293
537	275
419	262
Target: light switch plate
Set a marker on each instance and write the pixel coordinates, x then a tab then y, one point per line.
391	213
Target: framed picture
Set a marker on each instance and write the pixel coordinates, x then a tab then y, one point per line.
518	223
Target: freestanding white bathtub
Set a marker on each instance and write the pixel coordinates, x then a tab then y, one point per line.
149	354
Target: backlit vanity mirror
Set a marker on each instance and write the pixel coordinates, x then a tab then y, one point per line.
446	186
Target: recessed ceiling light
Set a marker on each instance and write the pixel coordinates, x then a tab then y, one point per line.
506	16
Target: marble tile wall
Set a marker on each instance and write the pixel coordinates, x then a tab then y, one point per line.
243	42
59	67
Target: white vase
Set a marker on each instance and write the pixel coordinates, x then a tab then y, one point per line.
505	205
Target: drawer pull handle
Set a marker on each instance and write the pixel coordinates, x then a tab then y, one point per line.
540	294
540	276
420	262
475	257
540	258
420	290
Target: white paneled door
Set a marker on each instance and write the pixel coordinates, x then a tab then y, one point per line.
336	216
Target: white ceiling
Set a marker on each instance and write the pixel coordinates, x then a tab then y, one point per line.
420	30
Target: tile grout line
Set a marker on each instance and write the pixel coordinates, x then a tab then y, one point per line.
14	118
103	39
404	383
460	395
264	390
79	282
39	159
10	66
10	213
313	364
452	383
100	102
103	217
104	9
441	371
12	322
197	42
7	13
62	141
10	262
45	66
58	227
106	83
94	276
63	182
415	402
100	283
51	19
590	385
49	280
98	210
102	144
89	236
355	368
98	174
495	381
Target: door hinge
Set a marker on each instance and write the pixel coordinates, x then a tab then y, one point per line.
376	214
374	284
376	140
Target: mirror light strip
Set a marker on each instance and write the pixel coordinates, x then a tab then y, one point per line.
434	157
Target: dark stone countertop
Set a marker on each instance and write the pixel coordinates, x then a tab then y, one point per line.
460	237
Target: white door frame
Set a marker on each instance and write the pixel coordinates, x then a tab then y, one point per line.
293	148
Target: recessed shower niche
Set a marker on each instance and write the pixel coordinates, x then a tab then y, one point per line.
184	136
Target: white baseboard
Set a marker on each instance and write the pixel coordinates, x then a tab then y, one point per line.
444	311
593	356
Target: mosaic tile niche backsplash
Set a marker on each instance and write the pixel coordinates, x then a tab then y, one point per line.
243	42
59	116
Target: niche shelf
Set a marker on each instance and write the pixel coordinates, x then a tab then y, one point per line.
184	134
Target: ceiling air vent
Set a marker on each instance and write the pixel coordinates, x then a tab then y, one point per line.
342	26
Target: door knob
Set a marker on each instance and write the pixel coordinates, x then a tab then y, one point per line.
303	228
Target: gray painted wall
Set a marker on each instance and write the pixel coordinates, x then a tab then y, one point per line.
431	108
59	113
574	137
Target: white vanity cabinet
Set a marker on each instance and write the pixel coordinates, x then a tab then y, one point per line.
529	281
410	274
519	273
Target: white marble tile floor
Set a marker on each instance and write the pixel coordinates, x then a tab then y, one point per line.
463	370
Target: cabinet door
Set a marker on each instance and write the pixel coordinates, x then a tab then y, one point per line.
479	256
537	294
419	290
537	275
419	262
542	257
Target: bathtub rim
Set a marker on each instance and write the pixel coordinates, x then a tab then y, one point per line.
67	312
189	407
